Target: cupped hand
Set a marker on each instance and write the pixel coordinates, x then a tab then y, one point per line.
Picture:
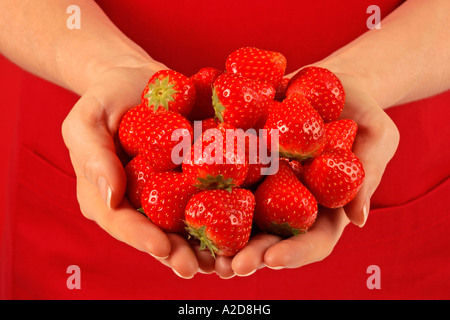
376	142
89	132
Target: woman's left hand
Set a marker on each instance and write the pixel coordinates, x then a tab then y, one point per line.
376	142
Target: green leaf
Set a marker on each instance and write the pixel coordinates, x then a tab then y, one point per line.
284	229
200	234
160	93
218	106
215	182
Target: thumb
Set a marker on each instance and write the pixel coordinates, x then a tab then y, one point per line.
92	150
375	145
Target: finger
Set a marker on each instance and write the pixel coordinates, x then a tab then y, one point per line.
92	150
375	146
375	143
123	223
251	257
206	262
182	258
313	246
223	267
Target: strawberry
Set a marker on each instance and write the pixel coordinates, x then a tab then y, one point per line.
284	206
253	146
296	166
209	123
340	134
265	90
155	140
164	198
300	128
128	128
236	100
203	81
258	64
322	89
334	177
280	91
137	172
210	164
267	107
221	220
169	90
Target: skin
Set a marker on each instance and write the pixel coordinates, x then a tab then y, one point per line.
403	61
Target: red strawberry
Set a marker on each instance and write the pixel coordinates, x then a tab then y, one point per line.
280	91
253	150
283	204
203	81
211	164
267	107
128	128
236	100
221	220
137	171
340	134
322	89
265	90
300	128
155	139
169	90
258	64
296	166
334	177
209	123
164	199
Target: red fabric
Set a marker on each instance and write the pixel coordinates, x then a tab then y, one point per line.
44	232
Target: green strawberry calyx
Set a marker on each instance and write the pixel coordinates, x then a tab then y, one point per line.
215	182
160	93
200	234
294	155
218	106
284	229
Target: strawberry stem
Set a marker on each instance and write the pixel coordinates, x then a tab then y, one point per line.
284	229
218	106
205	242
215	182
160	93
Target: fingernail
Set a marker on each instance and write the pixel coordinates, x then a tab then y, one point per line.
227	277
274	268
183	277
366	210
105	191
158	257
247	274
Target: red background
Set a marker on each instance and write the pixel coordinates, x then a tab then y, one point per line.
10	84
406	234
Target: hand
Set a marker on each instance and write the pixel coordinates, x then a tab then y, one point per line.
89	132
376	142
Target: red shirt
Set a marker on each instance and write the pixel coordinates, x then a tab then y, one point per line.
44	233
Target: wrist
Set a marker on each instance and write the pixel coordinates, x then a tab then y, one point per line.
95	67
124	61
358	71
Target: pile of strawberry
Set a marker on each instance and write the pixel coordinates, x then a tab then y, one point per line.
220	197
